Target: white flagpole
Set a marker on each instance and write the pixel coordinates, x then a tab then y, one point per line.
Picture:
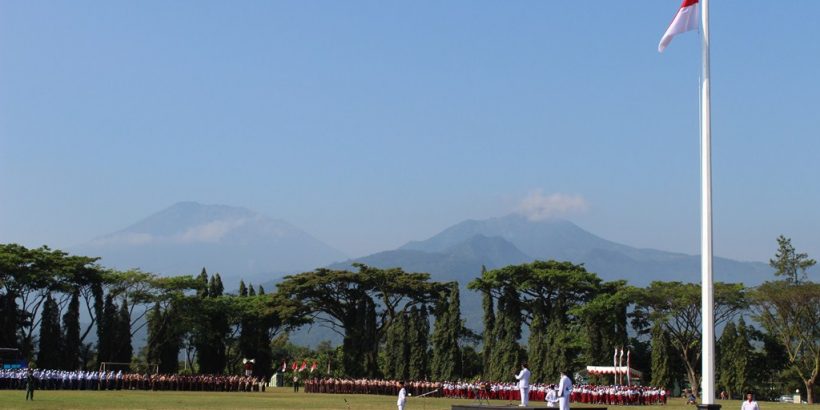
707	305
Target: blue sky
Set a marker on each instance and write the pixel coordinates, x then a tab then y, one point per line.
371	123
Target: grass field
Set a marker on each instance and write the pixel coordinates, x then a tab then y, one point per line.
283	398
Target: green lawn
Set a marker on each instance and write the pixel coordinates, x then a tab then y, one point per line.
277	399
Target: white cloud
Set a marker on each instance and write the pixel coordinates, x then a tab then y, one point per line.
536	206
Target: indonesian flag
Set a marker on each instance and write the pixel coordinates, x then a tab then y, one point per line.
314	366
686	19
284	366
304	366
294	366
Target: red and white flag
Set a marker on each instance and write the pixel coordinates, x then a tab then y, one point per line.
295	366
304	366
284	366
314	366
686	19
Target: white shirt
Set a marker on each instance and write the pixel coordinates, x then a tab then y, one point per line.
749	405
564	387
402	397
523	378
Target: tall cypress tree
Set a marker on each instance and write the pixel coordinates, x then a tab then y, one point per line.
661	364
538	346
107	324
49	355
743	351
725	358
393	349
506	353
71	333
124	349
489	329
419	337
243	290
155	335
446	359
213	327
559	352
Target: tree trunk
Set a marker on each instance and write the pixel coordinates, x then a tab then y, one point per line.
693	380
809	390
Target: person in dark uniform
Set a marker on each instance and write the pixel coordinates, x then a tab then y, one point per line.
30	384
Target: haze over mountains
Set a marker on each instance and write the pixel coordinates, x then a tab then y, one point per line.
239	243
458	252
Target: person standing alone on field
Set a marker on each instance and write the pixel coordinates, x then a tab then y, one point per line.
749	403
402	396
30	384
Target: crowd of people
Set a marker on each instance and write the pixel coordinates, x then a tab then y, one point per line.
370	386
586	393
110	380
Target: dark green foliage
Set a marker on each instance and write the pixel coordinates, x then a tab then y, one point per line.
538	346
726	357
107	331
10	317
661	366
164	338
446	361
122	345
363	304
71	333
489	326
789	311
396	352
418	341
787	262
212	327
743	353
676	307
49	355
552	290
506	353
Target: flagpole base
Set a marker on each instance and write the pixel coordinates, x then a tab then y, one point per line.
708	406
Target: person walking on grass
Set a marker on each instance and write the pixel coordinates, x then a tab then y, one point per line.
750	403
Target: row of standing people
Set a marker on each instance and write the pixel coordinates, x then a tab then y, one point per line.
45	379
370	386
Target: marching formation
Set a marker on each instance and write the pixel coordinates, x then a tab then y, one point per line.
89	380
587	393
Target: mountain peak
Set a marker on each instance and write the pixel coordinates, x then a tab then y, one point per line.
232	240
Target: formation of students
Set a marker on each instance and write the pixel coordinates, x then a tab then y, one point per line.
586	393
89	380
370	386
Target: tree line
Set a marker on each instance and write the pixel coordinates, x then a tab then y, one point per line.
403	325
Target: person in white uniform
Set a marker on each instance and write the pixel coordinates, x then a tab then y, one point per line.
564	390
750	403
551	398
523	378
402	396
